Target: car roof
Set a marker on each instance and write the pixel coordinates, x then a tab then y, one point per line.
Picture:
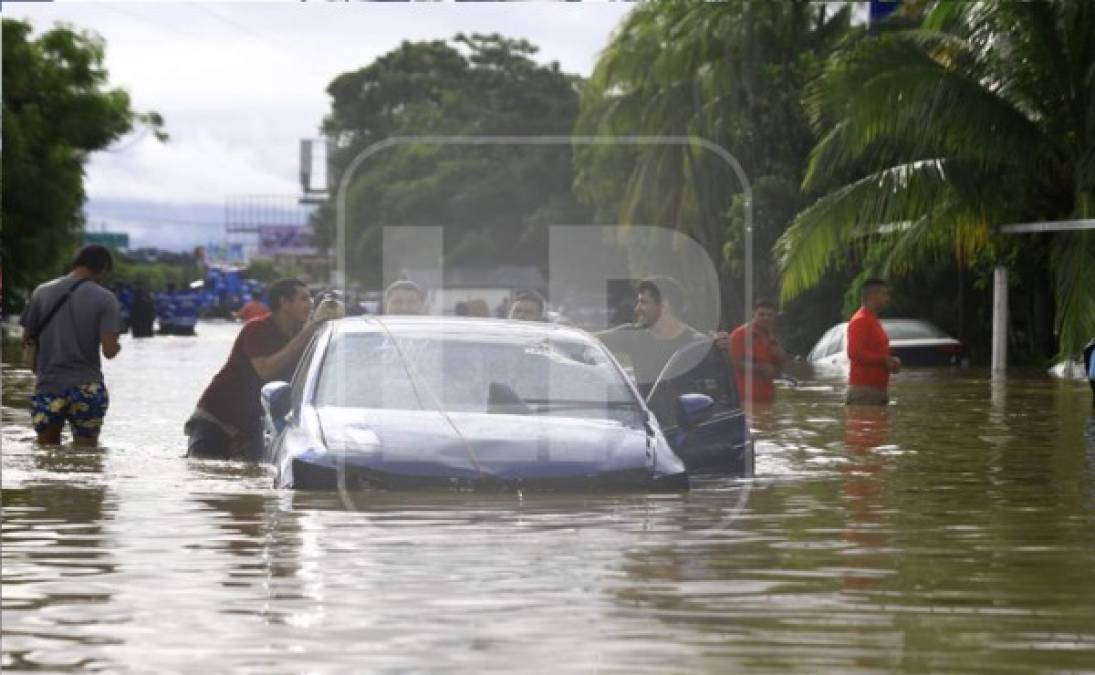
940	334
457	325
893	320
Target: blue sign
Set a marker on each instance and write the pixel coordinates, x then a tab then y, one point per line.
108	239
880	9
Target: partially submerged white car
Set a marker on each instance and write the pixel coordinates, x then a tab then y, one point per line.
915	342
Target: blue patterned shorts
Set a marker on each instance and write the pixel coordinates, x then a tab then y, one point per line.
83	406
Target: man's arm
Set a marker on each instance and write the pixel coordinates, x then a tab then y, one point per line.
110	344
737	353
110	321
29	317
269	366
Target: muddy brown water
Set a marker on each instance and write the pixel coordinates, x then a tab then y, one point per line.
953	532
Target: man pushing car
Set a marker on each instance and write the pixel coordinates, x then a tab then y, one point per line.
227	423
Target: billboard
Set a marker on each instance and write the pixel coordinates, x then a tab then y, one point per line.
117	240
222	254
285	240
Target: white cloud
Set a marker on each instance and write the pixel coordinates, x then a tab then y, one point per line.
203	168
240	83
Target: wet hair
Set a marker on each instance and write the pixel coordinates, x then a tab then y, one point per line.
873	283
764	303
283	289
661	288
95	258
403	285
530	296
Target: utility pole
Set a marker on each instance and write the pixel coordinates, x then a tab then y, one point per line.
1000	286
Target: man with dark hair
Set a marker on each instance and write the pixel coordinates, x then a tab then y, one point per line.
68	321
143	314
404	297
227	423
869	349
662	288
657	333
765	354
527	306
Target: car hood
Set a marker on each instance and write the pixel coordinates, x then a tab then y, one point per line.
483	445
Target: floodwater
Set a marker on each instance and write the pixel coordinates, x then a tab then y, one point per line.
954	532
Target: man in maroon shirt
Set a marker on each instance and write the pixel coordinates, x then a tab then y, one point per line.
227	423
869	349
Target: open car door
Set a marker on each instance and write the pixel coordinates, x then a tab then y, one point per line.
699	412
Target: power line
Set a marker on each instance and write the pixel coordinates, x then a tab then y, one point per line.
239	26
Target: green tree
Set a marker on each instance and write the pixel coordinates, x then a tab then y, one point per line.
153	276
492	201
984	115
732	73
56	110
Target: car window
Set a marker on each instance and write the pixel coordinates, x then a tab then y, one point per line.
836	344
712	375
832	341
300	374
824	344
908	329
529	375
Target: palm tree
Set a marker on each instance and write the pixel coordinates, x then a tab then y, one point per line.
930	139
730	72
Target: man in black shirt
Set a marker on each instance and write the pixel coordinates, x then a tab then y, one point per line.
657	333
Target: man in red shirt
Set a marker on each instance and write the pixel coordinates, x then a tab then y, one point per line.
869	349
252	309
765	353
227	423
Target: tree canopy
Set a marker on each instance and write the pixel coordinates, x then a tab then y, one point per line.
732	73
492	201
982	116
56	110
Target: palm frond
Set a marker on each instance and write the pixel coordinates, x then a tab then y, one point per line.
929	111
1073	263
851	215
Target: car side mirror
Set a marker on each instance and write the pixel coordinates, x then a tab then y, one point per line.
694	409
277	399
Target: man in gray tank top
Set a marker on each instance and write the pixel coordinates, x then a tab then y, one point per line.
657	334
69	385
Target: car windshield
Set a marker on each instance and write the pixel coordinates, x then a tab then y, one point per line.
907	329
458	373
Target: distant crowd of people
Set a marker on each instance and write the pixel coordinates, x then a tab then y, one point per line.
175	310
71	320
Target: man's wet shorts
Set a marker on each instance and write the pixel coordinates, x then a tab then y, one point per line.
83	406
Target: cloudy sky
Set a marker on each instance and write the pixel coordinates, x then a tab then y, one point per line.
240	83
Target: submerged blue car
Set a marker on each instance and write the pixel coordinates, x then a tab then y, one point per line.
420	402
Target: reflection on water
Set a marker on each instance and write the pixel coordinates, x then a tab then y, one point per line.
952	531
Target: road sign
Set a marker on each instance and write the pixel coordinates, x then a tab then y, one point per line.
108	239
